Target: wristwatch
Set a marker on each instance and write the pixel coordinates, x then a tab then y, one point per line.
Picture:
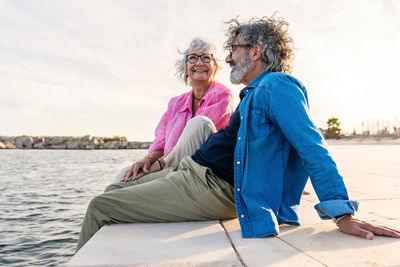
336	219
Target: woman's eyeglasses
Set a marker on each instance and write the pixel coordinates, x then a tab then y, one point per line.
192	58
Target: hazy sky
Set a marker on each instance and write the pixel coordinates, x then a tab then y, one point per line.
107	67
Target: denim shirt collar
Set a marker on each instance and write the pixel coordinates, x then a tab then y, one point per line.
253	84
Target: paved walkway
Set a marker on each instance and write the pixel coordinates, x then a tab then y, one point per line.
372	175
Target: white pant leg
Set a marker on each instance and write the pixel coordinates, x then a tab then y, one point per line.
121	174
195	133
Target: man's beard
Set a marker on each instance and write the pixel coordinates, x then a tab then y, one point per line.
241	68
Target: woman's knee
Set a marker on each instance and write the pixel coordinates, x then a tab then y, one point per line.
201	123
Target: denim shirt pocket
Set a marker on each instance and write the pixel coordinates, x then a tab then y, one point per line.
257	116
257	122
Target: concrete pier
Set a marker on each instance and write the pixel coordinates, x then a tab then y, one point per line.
372	176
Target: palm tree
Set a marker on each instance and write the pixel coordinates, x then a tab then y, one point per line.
333	130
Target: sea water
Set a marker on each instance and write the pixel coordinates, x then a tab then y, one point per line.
43	198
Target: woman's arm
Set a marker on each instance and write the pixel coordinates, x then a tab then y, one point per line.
156	150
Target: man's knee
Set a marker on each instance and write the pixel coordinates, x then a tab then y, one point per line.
111	187
94	203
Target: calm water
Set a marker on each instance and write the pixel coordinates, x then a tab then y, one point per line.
43	198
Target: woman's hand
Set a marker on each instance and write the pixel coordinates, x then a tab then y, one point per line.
131	178
138	168
143	167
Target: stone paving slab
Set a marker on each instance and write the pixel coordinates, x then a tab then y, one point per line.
321	239
369	209
385	208
363	186
369	172
368	186
333	248
158	244
267	251
390	223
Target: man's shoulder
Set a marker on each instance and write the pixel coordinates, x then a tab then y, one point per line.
278	77
276	80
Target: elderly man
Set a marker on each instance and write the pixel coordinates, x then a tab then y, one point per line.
256	167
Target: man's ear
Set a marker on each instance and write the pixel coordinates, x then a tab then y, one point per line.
256	52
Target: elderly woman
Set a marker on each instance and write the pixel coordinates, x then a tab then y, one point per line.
209	100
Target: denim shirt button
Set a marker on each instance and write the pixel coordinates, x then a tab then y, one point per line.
238	189
242	216
239	138
241	117
238	162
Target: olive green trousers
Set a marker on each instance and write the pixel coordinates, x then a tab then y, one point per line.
190	192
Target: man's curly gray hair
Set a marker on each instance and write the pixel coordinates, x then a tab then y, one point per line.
269	32
201	45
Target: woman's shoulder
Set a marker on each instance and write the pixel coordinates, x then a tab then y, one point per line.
179	100
220	89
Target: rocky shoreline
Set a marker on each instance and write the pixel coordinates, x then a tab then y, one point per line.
69	142
116	142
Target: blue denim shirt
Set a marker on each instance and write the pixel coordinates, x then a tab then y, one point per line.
278	147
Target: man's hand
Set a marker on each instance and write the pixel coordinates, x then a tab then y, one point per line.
352	226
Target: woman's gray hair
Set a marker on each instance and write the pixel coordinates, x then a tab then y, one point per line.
201	45
269	32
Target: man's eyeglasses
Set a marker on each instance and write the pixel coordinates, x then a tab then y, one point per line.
234	46
192	58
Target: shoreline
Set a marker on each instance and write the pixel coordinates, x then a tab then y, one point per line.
364	141
89	142
86	142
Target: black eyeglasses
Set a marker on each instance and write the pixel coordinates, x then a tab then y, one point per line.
234	46
192	58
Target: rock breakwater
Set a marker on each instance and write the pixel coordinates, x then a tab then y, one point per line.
69	142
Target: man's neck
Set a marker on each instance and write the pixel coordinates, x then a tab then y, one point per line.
254	73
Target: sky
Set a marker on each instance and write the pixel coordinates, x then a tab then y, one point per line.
106	68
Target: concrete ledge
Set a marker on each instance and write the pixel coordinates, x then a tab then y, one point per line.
160	244
372	178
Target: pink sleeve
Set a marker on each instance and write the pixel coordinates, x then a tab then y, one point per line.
219	108
159	141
